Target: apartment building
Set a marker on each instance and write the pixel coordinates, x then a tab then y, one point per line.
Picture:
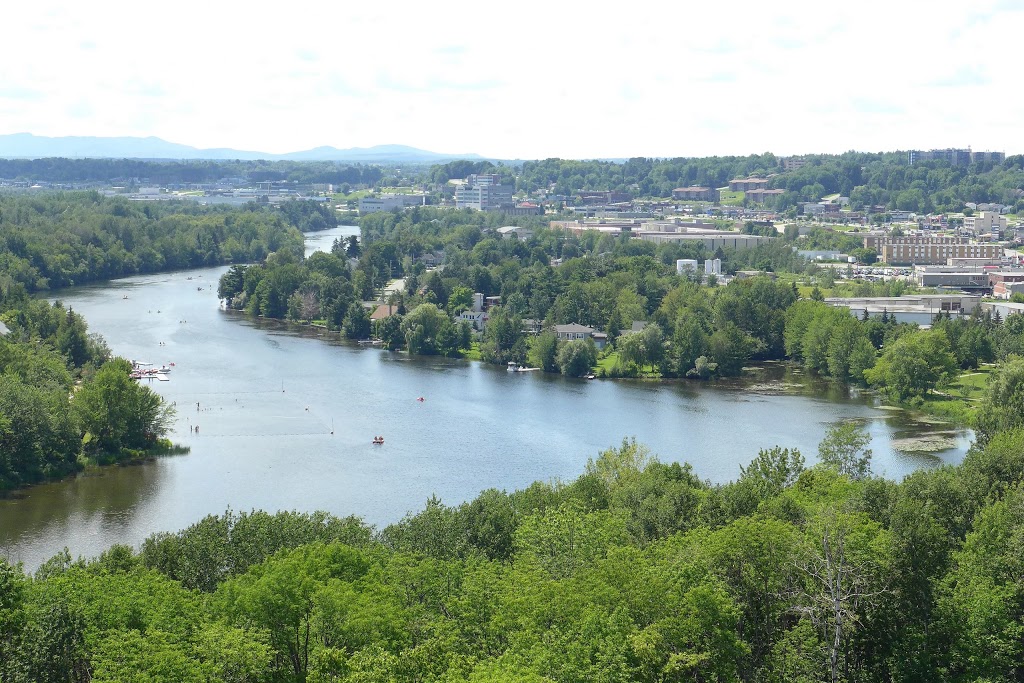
928	249
484	197
696	194
748	184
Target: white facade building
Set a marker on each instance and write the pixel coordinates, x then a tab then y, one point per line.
686	265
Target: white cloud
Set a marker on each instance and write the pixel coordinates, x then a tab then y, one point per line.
525	80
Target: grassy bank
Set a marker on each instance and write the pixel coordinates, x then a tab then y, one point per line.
959	401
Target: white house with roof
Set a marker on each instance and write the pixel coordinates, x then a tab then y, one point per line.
519	233
575	332
478	319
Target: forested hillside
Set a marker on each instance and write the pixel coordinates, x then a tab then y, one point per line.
693	328
59	170
868	179
636	571
62	239
65	402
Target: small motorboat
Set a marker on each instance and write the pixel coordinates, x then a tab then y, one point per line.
378	441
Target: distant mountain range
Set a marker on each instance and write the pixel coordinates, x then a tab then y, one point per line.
29	146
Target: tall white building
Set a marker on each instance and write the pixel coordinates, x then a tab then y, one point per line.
985	222
484	197
686	265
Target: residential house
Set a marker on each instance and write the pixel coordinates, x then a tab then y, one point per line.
576	332
384	311
477	319
519	233
696	194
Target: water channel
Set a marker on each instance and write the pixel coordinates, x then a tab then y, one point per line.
286	416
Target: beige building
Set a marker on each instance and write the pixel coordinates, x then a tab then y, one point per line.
759	196
929	250
711	242
748	184
696	194
985	222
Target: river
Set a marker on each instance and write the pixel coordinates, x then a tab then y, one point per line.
286	415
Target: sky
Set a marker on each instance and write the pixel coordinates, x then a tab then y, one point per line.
522	80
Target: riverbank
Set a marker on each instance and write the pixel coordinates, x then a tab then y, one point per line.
948	411
287	415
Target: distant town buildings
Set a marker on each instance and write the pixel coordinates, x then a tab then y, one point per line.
484	196
761	195
389	202
793	163
921	309
928	249
696	194
748	184
589	198
723	240
985	222
955	156
686	265
516	232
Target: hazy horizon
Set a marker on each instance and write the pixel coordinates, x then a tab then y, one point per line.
542	81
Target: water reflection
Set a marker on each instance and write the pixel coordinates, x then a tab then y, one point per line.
287	415
101	503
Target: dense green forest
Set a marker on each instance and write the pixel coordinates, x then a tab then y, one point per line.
59	170
635	571
638	570
868	179
62	239
65	402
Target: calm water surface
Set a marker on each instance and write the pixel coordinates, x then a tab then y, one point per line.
286	416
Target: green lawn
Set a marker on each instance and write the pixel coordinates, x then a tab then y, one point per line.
608	362
972	384
960	400
340	198
474	351
730	198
